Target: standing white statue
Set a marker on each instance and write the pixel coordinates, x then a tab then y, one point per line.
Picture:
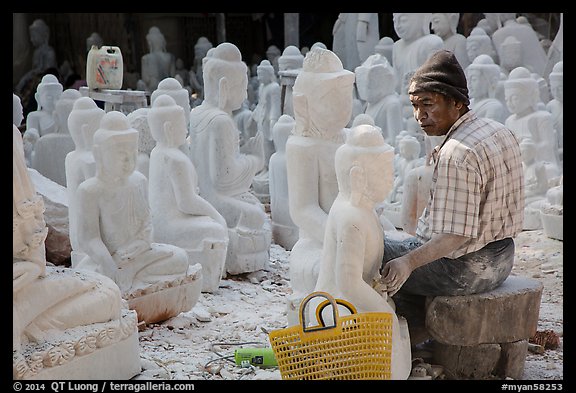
354	37
83	122
265	115
179	215
354	239
226	170
284	231
376	81
158	63
115	230
65	323
322	98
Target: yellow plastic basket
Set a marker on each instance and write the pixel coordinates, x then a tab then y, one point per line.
356	346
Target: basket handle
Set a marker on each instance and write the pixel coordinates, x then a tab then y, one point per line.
329	300
325	303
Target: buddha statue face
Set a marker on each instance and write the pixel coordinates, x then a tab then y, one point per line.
410	26
477	84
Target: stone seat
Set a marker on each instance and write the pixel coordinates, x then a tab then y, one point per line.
485	336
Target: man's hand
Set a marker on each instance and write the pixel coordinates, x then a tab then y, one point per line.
395	274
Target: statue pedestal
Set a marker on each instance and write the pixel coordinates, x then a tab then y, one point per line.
101	351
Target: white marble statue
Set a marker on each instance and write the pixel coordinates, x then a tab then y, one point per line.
552	212
289	65
47	93
385	47
266	114
195	76
66	324
284	231
322	98
354	239
556	105
138	119
526	120
414	45
479	43
83	121
408	157
115	230
181	72
510	54
533	55
43	57
354	37
226	170
245	122
445	25
556	50
50	150
416	188
179	215
376	81
539	176
158	63
273	53
174	89
483	76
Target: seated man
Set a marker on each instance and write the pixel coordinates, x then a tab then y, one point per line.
464	238
114	229
353	240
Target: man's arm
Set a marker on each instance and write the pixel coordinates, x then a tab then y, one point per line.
397	271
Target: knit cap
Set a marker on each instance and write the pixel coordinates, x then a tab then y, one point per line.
441	73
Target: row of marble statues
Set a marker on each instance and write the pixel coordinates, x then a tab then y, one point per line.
166	201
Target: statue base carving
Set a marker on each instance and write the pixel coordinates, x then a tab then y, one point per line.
100	351
165	300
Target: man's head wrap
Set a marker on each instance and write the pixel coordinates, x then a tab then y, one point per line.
441	73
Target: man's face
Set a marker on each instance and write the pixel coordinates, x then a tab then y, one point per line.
434	112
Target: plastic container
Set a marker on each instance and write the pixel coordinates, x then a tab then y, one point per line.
104	68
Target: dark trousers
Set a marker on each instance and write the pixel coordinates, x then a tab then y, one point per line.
476	272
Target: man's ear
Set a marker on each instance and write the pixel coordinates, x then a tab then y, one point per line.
357	184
